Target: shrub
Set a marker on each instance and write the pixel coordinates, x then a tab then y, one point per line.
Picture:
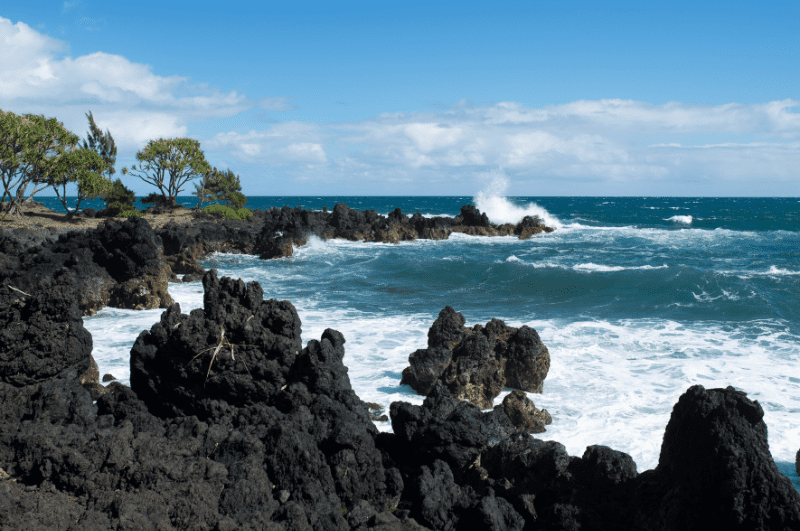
119	201
227	212
129	213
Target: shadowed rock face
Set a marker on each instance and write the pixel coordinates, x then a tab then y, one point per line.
117	264
238	351
715	469
241	357
474	364
281	441
42	335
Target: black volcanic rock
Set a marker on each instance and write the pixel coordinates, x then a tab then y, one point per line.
42	334
427	365
475	363
118	264
241	357
269	435
472	217
179	369
715	470
449	429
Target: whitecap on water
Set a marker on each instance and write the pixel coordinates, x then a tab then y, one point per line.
684	220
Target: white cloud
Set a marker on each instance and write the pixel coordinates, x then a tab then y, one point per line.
125	97
613	141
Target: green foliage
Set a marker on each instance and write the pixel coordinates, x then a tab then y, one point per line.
227	212
168	164
101	143
40	151
83	167
13	133
222	186
119	201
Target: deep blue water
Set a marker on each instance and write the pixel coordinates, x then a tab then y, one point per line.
636	298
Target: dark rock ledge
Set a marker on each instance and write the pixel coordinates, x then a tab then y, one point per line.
231	423
127	264
273	233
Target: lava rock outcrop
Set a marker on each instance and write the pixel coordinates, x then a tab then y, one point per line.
474	364
118	264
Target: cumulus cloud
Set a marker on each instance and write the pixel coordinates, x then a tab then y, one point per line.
612	141
126	97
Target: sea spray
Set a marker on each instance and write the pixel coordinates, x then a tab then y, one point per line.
493	203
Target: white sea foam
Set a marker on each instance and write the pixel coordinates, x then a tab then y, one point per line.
499	209
592	267
773	271
616	383
684	220
777	271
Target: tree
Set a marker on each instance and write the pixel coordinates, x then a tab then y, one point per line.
84	167
201	190
31	147
13	131
221	186
101	143
168	164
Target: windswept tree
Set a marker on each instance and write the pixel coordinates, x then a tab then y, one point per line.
168	164
101	143
31	151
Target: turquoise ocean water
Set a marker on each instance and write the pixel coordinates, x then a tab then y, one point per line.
636	298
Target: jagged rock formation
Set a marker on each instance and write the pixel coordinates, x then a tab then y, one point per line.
248	429
260	434
118	264
42	335
475	363
715	469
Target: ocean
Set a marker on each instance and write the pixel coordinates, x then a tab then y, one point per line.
636	298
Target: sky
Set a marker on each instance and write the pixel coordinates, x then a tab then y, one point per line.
388	97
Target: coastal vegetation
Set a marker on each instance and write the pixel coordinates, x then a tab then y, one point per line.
169	164
37	153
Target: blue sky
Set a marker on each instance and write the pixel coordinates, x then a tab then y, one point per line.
429	98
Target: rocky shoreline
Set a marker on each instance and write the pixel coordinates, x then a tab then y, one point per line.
231	422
